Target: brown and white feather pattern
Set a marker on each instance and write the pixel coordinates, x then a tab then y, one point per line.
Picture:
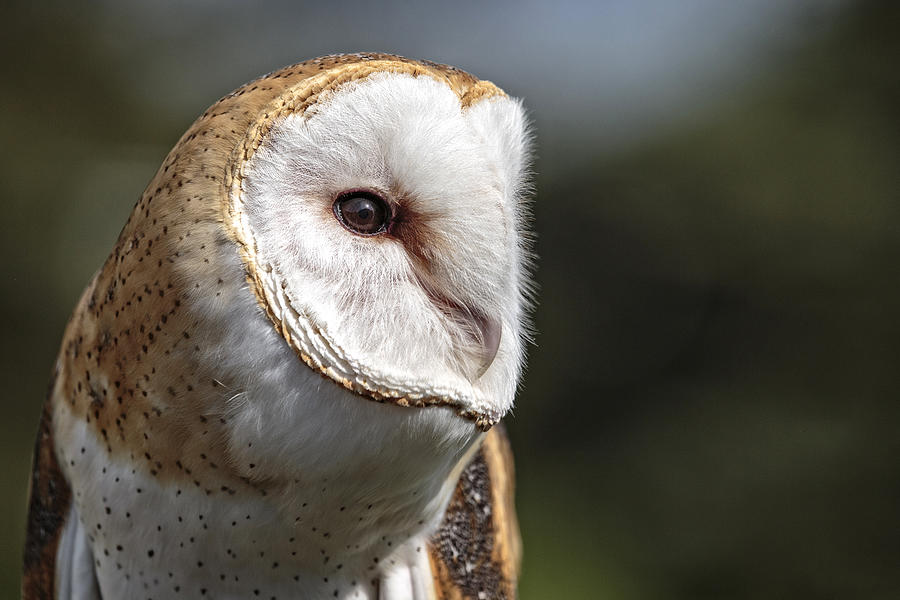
211	432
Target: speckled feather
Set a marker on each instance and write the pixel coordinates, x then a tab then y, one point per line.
129	381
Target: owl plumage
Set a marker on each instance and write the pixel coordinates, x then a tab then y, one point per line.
287	379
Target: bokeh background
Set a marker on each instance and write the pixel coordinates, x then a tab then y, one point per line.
711	408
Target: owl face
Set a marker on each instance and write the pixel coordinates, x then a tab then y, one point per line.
383	228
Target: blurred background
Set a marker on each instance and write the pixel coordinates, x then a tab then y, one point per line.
711	408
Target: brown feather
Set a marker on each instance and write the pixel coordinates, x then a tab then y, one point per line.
47	511
477	550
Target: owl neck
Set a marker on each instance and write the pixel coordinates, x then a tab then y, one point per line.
347	474
355	484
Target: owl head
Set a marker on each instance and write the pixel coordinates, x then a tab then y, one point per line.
379	207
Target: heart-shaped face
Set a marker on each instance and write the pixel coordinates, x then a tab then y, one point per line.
383	223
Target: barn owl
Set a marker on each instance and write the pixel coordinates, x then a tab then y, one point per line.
287	379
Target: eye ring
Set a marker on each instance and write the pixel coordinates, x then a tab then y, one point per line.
362	212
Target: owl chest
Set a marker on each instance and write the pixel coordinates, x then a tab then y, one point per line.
310	539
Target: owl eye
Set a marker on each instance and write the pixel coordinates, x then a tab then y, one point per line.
362	212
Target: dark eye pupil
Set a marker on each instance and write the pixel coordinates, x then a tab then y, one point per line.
362	212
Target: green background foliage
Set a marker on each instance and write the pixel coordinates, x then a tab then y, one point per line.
711	407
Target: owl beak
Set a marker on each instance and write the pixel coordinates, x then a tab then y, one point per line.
490	341
485	331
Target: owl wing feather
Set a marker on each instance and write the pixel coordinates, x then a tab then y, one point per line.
477	550
58	564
